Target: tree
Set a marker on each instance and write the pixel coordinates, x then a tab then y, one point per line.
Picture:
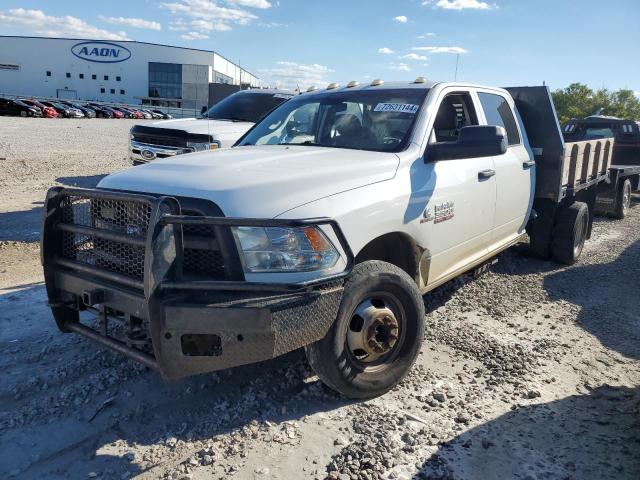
579	101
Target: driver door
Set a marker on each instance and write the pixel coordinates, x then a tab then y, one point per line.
457	222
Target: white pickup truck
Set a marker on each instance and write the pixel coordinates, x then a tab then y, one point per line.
219	127
322	228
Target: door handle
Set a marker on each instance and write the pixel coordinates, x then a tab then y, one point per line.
528	164
484	174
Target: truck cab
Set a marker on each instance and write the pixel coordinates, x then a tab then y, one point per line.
322	228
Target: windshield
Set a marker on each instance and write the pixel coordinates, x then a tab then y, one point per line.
361	119
245	106
598	132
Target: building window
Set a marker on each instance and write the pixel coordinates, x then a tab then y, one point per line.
106	77
102	90
165	80
113	91
81	76
121	92
222	78
48	73
94	77
118	79
68	75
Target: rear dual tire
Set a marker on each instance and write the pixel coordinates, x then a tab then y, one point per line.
623	200
570	233
377	335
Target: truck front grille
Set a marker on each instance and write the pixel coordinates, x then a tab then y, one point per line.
130	218
202	257
160	140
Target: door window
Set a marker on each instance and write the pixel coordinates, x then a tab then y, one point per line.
455	111
498	112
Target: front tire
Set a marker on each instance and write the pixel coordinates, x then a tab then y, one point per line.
570	233
377	335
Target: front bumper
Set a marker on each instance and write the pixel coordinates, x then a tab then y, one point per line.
166	321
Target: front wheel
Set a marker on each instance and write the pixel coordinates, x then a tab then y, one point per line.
377	335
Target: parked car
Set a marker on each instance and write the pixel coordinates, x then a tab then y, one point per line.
322	228
164	115
18	108
155	115
64	110
105	111
128	112
102	111
87	111
47	112
219	127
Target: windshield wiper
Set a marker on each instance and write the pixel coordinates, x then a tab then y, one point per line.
307	142
232	119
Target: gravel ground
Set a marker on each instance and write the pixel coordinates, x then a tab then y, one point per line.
530	372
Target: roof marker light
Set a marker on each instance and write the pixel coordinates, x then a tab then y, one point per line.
353	83
333	86
312	88
377	82
420	80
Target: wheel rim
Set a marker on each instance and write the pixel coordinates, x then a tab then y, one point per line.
581	234
626	198
376	331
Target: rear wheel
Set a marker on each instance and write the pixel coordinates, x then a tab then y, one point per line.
623	200
570	233
23	113
378	333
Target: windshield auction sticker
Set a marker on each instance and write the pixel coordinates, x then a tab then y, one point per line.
396	107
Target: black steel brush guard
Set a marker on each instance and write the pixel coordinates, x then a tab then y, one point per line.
74	286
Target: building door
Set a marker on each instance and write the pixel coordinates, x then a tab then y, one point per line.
66	94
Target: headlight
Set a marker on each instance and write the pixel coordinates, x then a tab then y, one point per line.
201	146
284	249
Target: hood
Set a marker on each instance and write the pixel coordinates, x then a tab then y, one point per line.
223	130
258	181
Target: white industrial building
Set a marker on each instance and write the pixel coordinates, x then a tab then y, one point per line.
114	71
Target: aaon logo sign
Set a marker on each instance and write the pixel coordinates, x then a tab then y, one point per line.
101	52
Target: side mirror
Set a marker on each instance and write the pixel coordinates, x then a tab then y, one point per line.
474	141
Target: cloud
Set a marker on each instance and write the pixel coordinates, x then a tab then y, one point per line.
132	22
385	50
291	75
428	34
208	26
205	15
251	3
194	36
414	56
39	23
402	67
401	19
460	4
440	49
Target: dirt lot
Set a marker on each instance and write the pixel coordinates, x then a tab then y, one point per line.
530	372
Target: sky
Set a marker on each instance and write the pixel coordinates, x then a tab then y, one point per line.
289	43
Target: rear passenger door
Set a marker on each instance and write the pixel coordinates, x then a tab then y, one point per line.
515	173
